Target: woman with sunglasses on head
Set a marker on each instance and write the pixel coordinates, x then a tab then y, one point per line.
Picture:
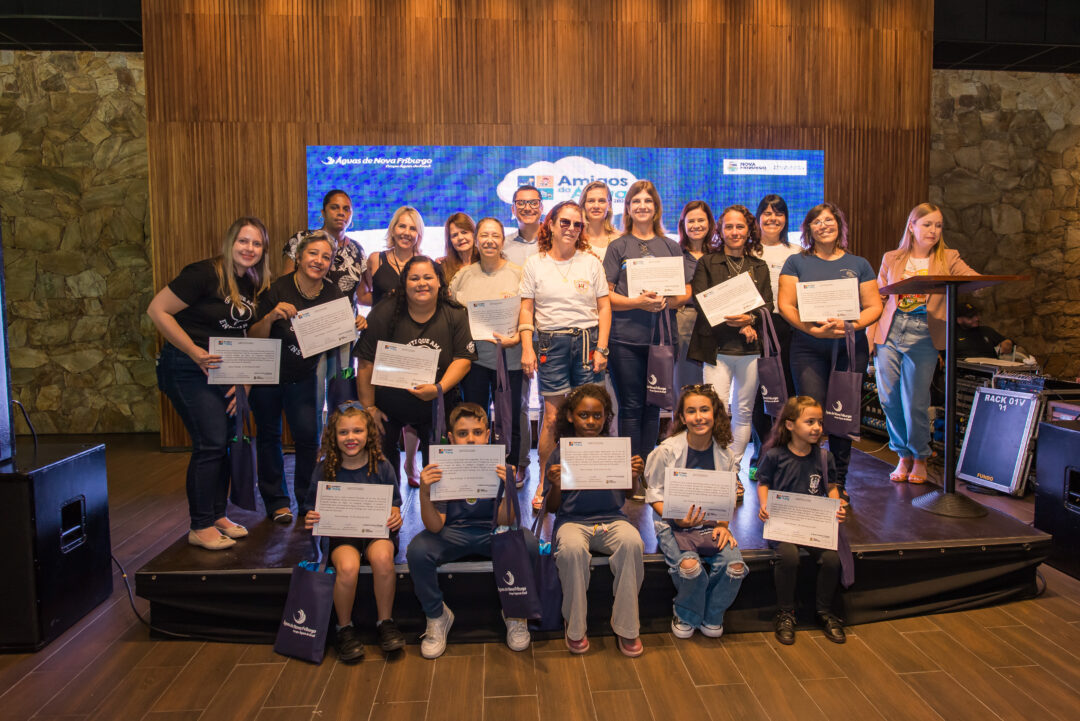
419	313
348	270
296	392
461	250
564	298
774	249
729	351
492	278
824	257
697	230
595	200
213	297
635	321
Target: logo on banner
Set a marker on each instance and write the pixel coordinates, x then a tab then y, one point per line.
748	166
564	179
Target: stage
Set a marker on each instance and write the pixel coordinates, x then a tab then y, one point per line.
907	562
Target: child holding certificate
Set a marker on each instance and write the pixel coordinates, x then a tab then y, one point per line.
453	530
792	463
699	439
351	454
593	521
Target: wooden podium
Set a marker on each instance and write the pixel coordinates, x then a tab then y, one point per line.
947	502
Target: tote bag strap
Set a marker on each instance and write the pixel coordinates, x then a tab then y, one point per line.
770	343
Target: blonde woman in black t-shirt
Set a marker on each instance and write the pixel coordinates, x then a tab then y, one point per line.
213	297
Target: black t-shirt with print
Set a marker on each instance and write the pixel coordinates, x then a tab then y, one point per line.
347	267
447	331
209	313
294	366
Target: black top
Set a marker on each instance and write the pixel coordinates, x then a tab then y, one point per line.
707	341
384	280
347	267
586	506
447	331
782	470
467	512
294	366
979	342
209	313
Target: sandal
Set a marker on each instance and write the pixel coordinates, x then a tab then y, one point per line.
917	478
538	502
283	516
739	491
902	472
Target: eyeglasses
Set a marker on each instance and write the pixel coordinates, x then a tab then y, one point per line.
821	222
350	404
566	224
535	203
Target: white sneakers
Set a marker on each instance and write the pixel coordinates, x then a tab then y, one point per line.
711	631
434	639
680	628
517	633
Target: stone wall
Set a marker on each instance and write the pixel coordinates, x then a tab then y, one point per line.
1005	168
73	208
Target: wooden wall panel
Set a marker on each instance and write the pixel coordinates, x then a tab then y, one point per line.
237	88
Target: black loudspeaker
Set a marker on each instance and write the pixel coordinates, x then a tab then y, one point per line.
1057	492
54	541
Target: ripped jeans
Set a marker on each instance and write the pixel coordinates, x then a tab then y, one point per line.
701	597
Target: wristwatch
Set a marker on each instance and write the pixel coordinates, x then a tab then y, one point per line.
602	351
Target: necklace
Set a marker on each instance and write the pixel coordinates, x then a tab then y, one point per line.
735	269
300	290
395	264
569	267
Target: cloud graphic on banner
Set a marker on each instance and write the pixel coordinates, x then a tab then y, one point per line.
564	179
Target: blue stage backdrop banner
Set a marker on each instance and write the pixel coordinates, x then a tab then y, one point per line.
480	180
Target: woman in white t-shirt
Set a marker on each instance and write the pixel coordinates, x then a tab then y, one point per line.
909	335
774	249
595	200
563	288
492	278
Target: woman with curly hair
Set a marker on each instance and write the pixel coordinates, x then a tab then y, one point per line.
564	298
419	312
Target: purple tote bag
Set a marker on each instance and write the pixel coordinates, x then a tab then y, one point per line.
660	376
242	457
770	368
511	562
305	621
843	407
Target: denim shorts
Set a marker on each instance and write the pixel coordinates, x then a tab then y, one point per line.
562	367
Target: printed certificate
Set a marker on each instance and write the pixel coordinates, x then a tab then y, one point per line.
663	276
710	491
590	464
803	519
824	299
734	296
353	510
326	326
467	471
254	361
493	316
404	366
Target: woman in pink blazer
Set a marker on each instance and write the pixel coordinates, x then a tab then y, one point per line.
909	335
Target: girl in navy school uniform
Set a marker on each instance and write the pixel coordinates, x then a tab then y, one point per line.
792	463
593	521
351	454
700	439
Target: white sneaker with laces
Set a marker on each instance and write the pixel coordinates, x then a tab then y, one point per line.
712	631
680	628
434	639
518	637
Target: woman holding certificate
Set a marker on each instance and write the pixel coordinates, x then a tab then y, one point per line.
493	278
729	351
563	288
213	297
824	258
908	337
636	316
297	390
697	228
419	314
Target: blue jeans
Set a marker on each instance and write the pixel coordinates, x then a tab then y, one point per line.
905	365
428	550
811	363
201	407
563	362
298	401
478	386
702	598
638	421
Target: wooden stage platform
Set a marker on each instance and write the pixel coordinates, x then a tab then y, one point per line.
908	562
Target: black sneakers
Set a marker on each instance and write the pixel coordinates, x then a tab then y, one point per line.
390	638
832	626
347	643
784	627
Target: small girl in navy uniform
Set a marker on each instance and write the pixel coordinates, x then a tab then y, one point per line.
699	439
792	463
592	521
351	454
